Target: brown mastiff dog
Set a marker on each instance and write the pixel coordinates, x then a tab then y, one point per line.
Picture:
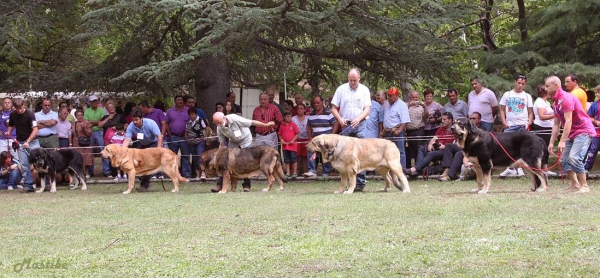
351	156
235	163
141	162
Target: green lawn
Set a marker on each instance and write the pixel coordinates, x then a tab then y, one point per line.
439	230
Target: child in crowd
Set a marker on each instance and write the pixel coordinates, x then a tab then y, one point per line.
301	121
195	131
10	174
118	139
288	134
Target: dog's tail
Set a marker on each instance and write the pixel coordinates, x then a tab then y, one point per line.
279	169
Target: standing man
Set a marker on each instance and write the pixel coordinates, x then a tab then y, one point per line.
231	98
484	101
381	98
576	135
299	99
594	113
516	113
415	129
94	115
351	105
572	85
47	129
394	122
267	112
320	121
6	141
177	118
457	107
271	94
24	122
237	130
63	128
150	135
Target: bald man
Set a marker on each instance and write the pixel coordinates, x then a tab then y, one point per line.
237	129
577	133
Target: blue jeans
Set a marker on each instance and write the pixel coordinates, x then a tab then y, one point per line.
177	143
312	164
592	152
197	150
486	126
516	128
574	153
14	179
98	140
399	141
24	159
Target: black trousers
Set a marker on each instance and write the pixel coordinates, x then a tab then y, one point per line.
414	138
145	180
453	156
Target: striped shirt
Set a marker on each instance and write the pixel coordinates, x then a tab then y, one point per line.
321	123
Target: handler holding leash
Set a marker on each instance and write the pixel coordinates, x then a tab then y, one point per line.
237	129
148	135
576	136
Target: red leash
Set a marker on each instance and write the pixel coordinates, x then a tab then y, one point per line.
537	169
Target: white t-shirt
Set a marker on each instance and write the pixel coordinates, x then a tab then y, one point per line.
351	103
483	103
541	103
516	107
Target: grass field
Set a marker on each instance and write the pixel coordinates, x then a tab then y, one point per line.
439	230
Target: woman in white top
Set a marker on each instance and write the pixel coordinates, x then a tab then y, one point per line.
543	121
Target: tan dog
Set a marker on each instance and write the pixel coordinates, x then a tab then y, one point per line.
235	163
141	162
351	156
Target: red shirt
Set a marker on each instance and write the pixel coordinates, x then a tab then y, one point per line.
265	115
444	135
287	131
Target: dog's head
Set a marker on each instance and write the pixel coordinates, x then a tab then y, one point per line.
40	159
462	129
207	164
323	144
116	154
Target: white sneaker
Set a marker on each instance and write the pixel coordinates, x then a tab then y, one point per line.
509	173
203	176
520	172
309	174
124	177
87	177
153	177
117	178
161	177
550	173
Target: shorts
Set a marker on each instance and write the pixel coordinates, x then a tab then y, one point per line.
289	157
302	146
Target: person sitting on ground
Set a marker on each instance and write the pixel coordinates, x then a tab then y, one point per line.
10	171
443	136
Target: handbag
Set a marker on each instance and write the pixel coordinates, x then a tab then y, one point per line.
82	140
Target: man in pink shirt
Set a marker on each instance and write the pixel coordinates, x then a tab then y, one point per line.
484	101
576	136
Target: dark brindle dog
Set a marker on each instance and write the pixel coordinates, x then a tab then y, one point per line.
483	150
48	163
235	163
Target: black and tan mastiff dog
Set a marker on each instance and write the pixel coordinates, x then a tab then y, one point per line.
235	163
47	163
351	156
481	148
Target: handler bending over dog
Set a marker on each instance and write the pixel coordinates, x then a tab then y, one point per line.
237	129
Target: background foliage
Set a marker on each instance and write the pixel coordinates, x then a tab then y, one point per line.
162	46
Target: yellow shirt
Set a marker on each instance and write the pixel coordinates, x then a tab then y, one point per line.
581	96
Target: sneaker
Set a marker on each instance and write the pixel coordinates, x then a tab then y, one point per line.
203	176
520	172
550	173
294	176
509	173
153	177
310	174
161	177
117	178
124	177
87	177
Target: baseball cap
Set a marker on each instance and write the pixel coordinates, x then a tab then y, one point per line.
93	98
392	91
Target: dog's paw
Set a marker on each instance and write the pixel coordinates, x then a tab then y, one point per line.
280	189
474	190
222	192
337	192
175	190
72	186
482	192
39	191
53	190
348	192
540	189
126	192
383	190
84	188
265	189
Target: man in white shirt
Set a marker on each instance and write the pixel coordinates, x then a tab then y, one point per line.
484	101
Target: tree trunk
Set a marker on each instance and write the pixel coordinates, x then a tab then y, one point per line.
522	20
486	27
212	83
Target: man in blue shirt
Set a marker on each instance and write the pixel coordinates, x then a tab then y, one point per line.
148	135
395	121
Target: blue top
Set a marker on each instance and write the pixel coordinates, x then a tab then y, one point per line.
4	125
371	129
149	129
396	114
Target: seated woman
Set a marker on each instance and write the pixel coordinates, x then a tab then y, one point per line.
10	172
443	136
